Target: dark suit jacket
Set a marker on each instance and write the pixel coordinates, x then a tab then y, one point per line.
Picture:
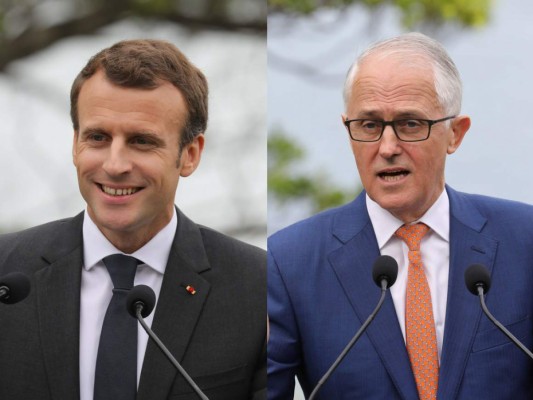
320	291
218	334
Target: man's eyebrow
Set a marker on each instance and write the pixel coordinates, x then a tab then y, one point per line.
91	131
409	114
376	115
369	115
148	136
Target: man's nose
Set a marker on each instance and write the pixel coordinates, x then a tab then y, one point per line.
389	145
117	161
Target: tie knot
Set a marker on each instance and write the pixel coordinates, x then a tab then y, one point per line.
122	269
412	235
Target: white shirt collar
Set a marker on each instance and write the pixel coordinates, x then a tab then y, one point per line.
155	253
385	224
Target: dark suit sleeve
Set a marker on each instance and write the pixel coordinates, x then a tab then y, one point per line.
259	383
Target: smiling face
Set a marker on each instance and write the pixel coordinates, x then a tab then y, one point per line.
128	160
403	178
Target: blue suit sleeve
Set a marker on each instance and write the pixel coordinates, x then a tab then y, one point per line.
284	357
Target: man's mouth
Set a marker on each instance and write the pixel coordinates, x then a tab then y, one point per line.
119	191
393	175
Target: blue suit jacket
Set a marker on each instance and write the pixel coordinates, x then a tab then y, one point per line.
320	291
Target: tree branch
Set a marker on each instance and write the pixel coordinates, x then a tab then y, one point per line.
216	22
36	39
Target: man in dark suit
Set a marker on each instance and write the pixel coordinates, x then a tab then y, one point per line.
403	99
139	110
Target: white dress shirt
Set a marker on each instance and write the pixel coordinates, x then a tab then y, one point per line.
96	292
435	249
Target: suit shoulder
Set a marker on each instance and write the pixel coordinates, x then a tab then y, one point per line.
221	245
500	208
24	249
34	235
306	230
234	262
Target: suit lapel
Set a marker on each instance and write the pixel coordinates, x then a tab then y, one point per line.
58	303
463	312
352	264
177	310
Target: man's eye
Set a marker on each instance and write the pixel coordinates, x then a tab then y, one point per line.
97	137
141	141
410	123
369	125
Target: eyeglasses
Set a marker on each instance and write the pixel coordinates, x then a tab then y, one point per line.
406	130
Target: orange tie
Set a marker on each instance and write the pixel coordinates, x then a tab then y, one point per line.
421	340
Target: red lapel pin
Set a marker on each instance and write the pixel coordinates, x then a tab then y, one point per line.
189	289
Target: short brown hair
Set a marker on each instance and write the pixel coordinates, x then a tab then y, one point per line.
143	64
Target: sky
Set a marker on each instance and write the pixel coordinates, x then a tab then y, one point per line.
494	61
228	190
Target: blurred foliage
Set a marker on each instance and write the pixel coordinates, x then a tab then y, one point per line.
468	13
28	26
284	157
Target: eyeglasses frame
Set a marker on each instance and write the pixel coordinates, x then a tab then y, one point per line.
430	123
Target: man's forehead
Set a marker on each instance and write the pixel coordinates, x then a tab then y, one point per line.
388	88
393	85
396	65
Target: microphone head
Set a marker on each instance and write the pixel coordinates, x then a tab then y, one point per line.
477	275
140	294
385	267
17	285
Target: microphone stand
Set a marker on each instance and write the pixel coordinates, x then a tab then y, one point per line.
138	309
348	347
481	294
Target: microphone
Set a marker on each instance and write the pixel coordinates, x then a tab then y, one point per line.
14	287
384	273
140	297
477	280
140	303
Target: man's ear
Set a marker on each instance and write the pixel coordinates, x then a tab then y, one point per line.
344	118
191	155
460	126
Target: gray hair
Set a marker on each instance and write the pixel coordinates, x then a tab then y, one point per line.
447	81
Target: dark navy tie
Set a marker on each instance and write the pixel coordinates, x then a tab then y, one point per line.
116	363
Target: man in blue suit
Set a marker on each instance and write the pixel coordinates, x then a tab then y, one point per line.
403	100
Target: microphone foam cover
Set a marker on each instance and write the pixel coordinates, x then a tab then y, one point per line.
140	294
475	275
385	267
18	285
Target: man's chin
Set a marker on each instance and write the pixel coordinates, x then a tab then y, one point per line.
115	222
390	200
398	204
